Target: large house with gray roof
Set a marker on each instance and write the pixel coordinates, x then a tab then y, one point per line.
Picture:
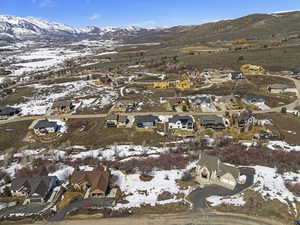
36	188
45	126
147	121
213	121
8	111
181	122
210	170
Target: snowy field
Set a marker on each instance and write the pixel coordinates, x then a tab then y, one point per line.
43	59
45	95
28	58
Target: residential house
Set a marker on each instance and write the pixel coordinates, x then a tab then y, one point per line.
192	71
183	84
125	106
178	104
103	81
45	126
36	188
112	121
213	121
246	119
295	71
253	99
3	95
123	121
62	106
161	85
181	122
281	88
94	183
147	121
236	75
203	102
211	171
208	71
8	111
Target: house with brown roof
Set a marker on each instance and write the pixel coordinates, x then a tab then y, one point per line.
94	183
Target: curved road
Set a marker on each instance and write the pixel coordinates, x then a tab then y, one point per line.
290	106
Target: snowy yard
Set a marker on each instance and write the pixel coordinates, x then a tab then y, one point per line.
139	192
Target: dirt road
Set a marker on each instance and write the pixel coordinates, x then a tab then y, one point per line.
191	218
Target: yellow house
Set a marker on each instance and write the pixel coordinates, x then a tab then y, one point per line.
183	84
162	85
248	68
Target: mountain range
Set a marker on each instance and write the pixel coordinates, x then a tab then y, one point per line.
255	26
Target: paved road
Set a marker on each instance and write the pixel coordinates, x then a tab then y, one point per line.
195	218
89	202
102	115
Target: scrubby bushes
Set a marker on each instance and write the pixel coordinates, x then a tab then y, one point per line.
293	187
239	155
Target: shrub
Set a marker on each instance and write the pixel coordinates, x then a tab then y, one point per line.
239	155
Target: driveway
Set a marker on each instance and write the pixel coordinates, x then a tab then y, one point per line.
85	203
198	197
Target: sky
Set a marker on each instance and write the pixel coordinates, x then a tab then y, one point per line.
143	13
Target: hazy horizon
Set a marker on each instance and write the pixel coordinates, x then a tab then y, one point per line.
154	13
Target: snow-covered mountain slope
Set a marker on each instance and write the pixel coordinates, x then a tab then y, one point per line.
13	28
22	28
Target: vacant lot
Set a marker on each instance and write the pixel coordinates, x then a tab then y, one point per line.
12	134
287	125
95	134
264	81
17	97
273	59
257	206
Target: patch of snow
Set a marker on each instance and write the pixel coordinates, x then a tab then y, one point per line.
271	185
236	200
282	146
64	173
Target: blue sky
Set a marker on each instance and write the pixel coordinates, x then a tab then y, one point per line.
104	13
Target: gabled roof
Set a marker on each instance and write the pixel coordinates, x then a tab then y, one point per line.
6	111
33	185
253	98
211	119
146	119
245	115
98	179
62	103
199	99
45	124
213	163
182	119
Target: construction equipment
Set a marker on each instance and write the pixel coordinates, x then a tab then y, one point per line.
248	68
